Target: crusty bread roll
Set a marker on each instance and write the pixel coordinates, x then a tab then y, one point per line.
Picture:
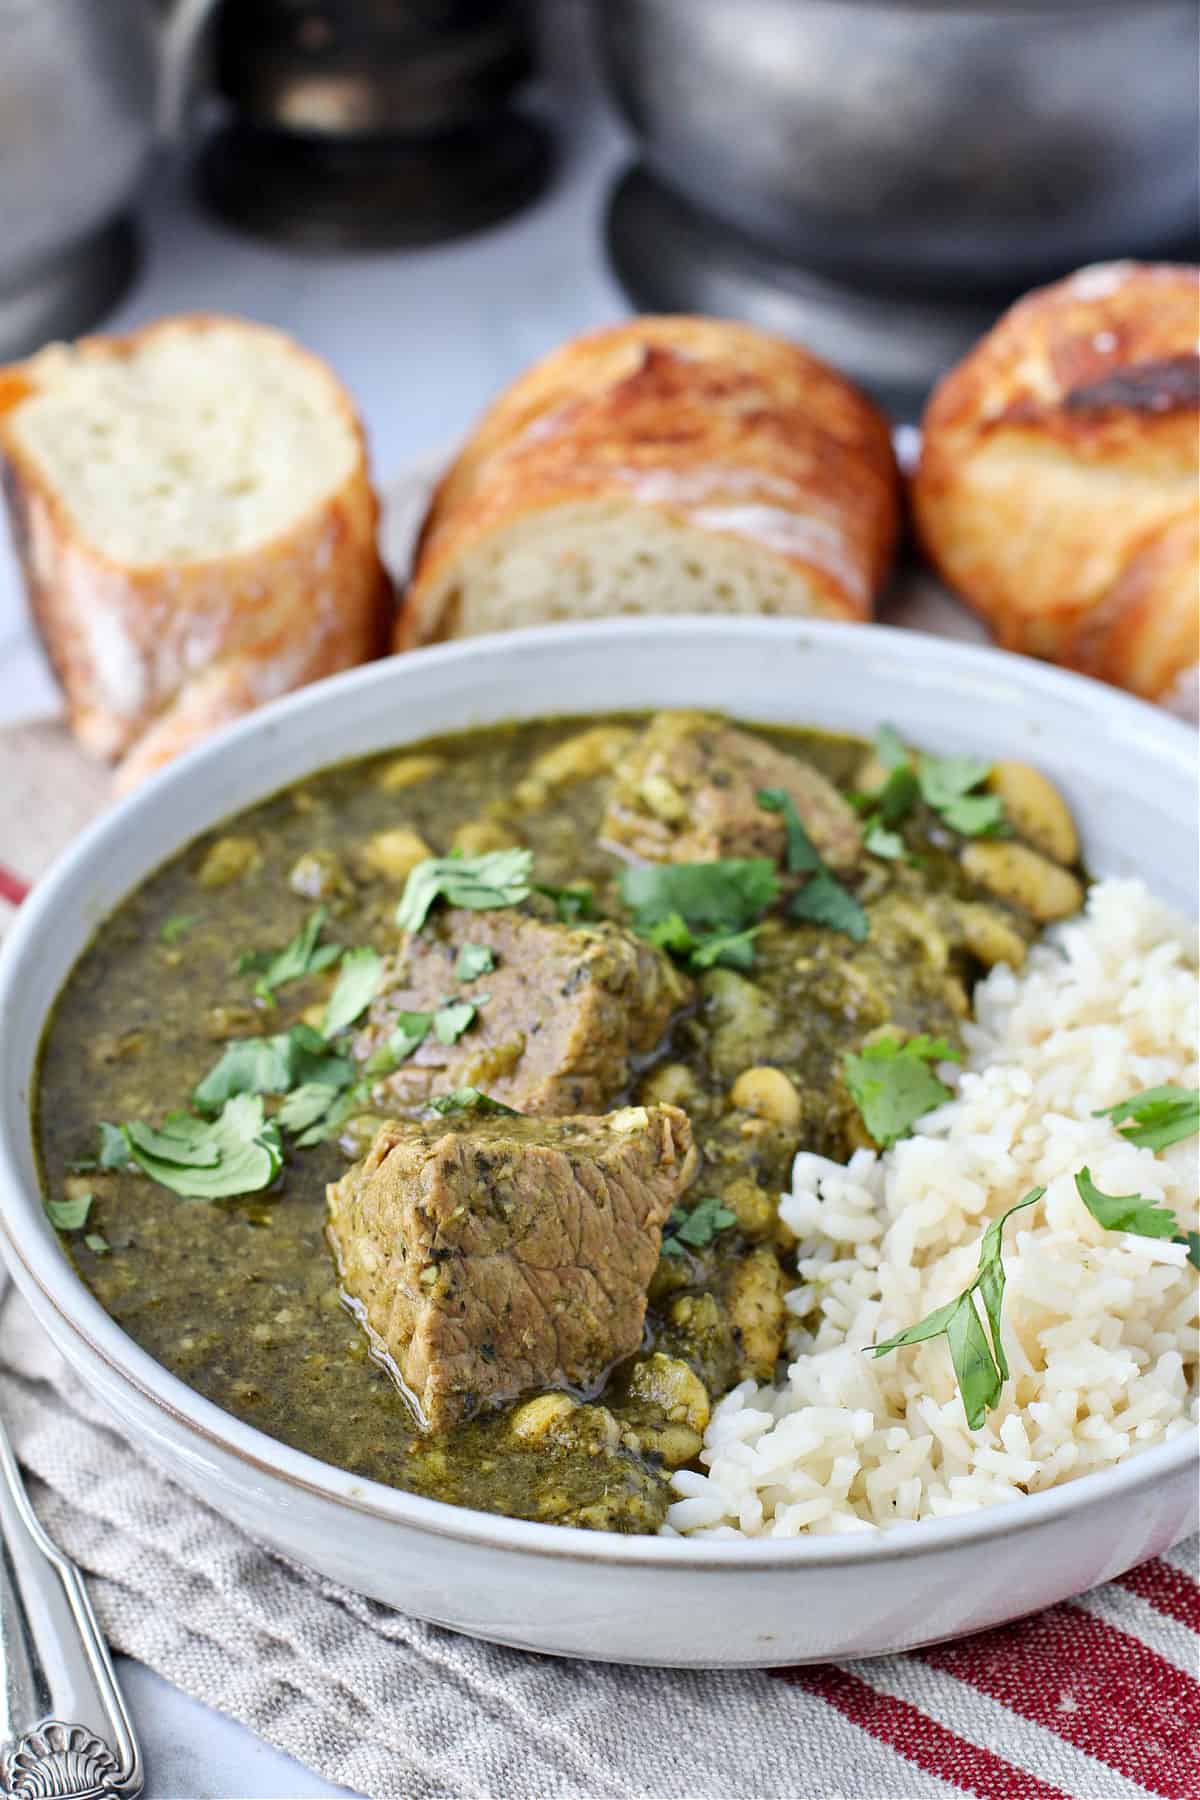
1057	484
197	529
664	465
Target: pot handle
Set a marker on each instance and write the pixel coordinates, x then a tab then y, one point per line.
180	32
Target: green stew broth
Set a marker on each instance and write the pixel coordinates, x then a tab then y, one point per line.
238	1295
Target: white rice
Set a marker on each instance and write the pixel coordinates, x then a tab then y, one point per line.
1100	1327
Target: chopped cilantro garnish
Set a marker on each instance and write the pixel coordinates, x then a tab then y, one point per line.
822	900
572	903
980	1366
893	801
946	784
893	1085
271	1065
704	911
306	1104
356	987
302	955
70	1215
882	842
239	1152
889	748
97	1243
114	1151
470	1099
1126	1212
1160	1116
802	856
729	949
888	805
725	949
696	1227
474	960
408	1033
451	1020
498	878
342	1106
172	929
1192	1240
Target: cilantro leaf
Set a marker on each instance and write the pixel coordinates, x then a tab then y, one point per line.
239	1152
470	1099
474	960
1161	1116
975	815
894	800
301	955
356	987
705	911
408	1033
97	1243
177	926
572	903
451	1020
893	1085
342	1106
980	1365
882	842
802	856
70	1215
946	784
944	779
498	878
1192	1240
671	932
726	895
306	1104
726	949
696	1227
889	748
730	949
270	1065
1125	1212
824	901
114	1151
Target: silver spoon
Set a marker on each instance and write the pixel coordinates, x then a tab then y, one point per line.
63	1722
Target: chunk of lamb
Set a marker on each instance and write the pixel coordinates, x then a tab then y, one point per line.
566	1009
686	792
493	1256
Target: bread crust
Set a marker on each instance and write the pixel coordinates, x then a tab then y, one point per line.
716	426
153	656
1057	483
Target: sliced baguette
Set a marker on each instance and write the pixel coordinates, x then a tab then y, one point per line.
196	526
665	465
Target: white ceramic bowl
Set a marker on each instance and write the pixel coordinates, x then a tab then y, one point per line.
1128	772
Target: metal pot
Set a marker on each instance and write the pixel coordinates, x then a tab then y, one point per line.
921	140
84	85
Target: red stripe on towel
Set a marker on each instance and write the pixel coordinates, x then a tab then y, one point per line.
12	888
1100	1689
913	1734
1166	1589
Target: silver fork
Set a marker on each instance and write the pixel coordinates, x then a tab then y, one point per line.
63	1723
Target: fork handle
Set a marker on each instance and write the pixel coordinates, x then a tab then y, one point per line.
62	1719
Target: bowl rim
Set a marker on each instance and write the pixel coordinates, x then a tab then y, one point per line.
40	1266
